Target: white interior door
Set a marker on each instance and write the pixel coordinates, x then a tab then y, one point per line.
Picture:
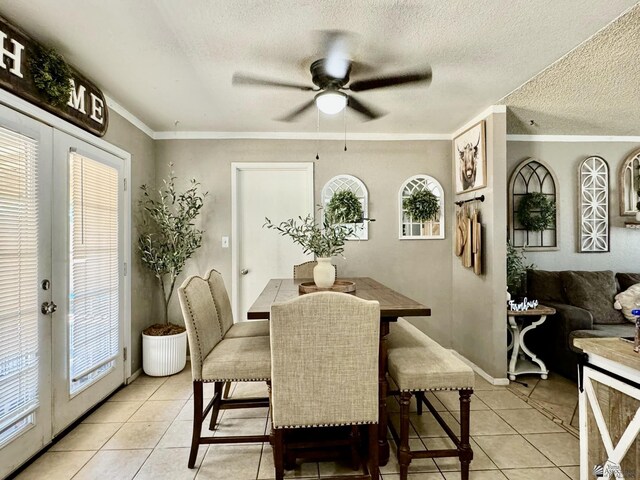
88	277
278	191
25	265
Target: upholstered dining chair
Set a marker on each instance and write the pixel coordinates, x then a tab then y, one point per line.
305	270
324	370
252	328
218	358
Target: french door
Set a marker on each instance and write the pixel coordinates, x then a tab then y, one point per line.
87	328
61	282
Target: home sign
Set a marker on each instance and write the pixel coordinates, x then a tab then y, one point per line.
86	108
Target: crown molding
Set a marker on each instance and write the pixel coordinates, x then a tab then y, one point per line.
123	112
574	138
299	136
481	116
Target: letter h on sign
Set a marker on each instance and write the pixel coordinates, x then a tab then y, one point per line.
15	55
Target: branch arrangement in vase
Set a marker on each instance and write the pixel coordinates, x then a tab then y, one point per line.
326	240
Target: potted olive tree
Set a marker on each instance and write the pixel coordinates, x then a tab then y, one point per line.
167	240
324	241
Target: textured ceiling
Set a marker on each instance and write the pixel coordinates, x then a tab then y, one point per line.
593	90
171	61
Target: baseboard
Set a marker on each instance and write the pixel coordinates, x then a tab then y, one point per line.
133	376
481	372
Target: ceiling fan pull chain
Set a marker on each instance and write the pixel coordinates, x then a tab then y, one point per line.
344	115
318	137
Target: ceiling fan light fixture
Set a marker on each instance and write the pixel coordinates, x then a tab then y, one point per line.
331	102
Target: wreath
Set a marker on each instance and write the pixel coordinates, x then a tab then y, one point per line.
421	206
344	207
51	75
536	212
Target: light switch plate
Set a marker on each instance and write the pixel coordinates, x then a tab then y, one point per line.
225	242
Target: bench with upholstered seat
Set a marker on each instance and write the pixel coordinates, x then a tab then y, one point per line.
418	364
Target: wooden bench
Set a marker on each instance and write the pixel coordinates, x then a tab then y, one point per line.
418	364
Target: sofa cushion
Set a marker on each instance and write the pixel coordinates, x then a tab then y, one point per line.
628	301
544	286
593	291
625	280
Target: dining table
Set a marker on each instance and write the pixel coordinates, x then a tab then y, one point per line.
392	305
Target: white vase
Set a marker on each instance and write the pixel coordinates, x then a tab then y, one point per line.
324	274
164	354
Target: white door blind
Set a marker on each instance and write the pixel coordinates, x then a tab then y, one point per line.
18	283
94	304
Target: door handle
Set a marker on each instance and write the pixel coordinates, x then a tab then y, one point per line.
244	271
47	308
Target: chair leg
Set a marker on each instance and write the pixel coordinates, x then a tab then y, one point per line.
217	400
278	453
227	388
197	423
466	454
374	469
404	452
355	443
419	396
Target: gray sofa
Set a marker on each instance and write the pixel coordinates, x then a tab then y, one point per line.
584	308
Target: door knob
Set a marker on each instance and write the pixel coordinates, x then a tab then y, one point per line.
244	271
47	308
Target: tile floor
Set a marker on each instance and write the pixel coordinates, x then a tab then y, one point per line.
144	431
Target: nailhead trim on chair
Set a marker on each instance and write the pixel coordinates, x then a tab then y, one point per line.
214	299
325	425
209	380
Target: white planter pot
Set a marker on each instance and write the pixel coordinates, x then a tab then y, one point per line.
324	275
637	216
164	355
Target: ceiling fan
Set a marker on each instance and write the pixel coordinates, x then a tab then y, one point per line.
330	75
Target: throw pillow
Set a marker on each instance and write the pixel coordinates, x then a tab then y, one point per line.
543	285
593	291
627	301
626	280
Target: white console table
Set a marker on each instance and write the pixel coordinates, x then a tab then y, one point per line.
609	408
519	363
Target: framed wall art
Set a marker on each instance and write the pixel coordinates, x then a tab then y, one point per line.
470	160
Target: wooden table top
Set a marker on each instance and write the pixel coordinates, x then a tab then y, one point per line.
539	310
613	349
392	303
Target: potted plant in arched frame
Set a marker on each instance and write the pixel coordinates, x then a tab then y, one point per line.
167	240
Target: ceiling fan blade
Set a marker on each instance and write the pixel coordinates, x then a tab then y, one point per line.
298	111
363	109
392	81
337	46
243	79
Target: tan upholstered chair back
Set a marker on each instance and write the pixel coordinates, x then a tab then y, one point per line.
324	360
221	298
201	319
305	270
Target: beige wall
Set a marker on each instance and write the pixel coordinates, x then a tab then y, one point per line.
564	159
417	268
144	295
479	325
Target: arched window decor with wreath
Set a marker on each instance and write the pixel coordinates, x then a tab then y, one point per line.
354	185
411	228
533	183
630	185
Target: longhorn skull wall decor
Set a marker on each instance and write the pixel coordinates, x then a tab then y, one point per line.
470	159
